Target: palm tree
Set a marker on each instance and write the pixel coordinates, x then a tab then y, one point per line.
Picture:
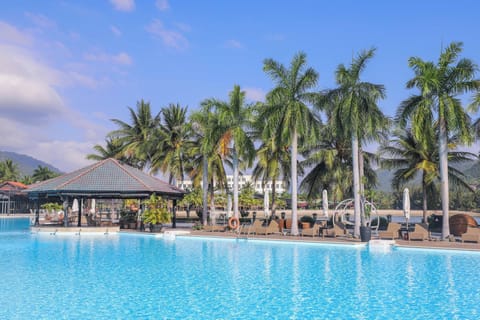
43	173
440	85
412	157
357	115
273	162
235	117
288	111
9	171
140	138
113	149
172	157
209	151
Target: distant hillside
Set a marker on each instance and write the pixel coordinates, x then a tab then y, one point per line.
470	169
26	164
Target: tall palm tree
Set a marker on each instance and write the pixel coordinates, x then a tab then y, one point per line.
42	173
412	157
141	137
236	117
357	115
440	86
209	151
172	156
289	112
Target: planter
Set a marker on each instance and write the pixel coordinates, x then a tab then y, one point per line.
365	234
155	227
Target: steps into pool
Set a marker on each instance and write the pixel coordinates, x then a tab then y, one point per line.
381	245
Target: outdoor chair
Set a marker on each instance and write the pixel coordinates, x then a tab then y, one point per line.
312	232
392	231
214	228
271	228
420	233
338	230
472	235
248	229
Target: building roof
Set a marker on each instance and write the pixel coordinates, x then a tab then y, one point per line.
105	179
12	186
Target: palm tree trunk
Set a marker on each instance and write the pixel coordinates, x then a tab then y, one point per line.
205	189
443	153
212	199
294	183
362	187
235	182
424	200
274	207
356	186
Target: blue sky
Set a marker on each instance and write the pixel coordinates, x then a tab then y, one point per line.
67	67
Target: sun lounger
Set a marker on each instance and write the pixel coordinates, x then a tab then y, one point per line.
312	232
392	231
420	232
252	228
271	228
338	230
472	235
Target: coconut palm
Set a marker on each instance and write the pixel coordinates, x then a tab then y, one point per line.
236	117
412	157
113	149
42	173
171	156
140	138
287	110
357	115
9	171
440	86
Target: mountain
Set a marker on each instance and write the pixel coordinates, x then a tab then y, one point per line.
26	164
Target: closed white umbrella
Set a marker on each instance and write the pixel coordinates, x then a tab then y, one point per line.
265	203
92	206
75	205
229	205
325	203
406	203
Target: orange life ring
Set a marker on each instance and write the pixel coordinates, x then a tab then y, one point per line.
233	223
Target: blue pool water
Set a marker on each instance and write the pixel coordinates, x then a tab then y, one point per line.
142	277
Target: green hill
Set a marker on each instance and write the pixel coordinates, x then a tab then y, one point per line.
26	164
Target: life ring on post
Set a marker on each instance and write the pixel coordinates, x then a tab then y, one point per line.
233	223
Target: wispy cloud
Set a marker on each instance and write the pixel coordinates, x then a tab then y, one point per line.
254	94
123	5
170	38
235	44
11	35
121	58
40	20
162	5
116	31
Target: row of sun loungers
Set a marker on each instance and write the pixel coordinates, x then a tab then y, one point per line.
420	233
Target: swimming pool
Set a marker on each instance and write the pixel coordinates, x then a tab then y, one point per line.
142	277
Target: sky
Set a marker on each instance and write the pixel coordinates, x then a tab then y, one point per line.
68	67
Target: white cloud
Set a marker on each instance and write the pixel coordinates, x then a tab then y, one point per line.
170	38
123	5
121	58
233	44
11	35
255	94
40	20
162	5
116	31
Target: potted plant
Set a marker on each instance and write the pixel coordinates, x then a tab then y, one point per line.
156	213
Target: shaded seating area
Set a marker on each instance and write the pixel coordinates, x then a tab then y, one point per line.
312	232
420	232
108	179
250	229
338	230
472	235
392	231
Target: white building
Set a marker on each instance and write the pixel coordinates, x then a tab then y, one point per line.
280	186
